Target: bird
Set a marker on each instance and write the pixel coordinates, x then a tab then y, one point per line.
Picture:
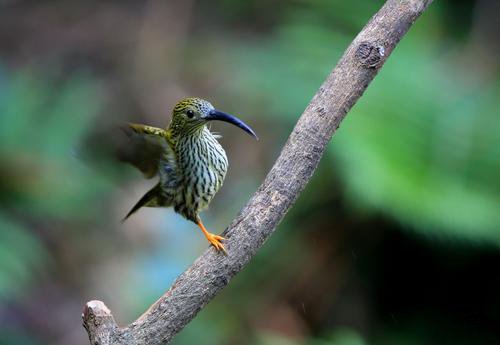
187	157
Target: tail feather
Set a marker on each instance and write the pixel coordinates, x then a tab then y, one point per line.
151	198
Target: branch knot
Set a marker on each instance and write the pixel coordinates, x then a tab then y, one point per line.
369	55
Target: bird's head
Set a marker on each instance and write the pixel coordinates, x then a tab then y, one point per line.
191	114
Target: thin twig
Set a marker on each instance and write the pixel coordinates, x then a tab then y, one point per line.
258	219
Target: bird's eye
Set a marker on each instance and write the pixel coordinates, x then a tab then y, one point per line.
190	113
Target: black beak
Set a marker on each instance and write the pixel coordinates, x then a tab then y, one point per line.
220	116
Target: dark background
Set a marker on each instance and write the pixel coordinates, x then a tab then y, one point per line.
395	240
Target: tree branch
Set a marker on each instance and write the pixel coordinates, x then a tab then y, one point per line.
258	219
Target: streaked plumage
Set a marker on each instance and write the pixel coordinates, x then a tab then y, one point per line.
191	163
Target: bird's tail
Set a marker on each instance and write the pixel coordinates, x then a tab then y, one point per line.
150	199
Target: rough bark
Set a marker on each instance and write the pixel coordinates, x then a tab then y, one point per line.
258	219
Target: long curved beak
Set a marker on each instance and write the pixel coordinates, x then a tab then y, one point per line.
221	116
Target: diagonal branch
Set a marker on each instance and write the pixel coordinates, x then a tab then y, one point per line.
258	219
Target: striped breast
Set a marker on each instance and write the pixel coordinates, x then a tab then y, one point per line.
203	165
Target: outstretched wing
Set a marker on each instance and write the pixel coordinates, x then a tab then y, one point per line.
152	154
145	148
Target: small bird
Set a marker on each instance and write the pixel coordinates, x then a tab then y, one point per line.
189	160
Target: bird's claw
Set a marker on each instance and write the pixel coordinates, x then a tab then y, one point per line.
215	240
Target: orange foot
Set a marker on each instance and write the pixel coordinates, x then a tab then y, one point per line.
215	240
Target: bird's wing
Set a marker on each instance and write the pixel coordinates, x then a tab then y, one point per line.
145	146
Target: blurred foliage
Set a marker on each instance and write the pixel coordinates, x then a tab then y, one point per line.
21	256
427	154
419	151
42	122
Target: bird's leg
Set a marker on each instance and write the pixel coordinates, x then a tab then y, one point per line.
215	240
